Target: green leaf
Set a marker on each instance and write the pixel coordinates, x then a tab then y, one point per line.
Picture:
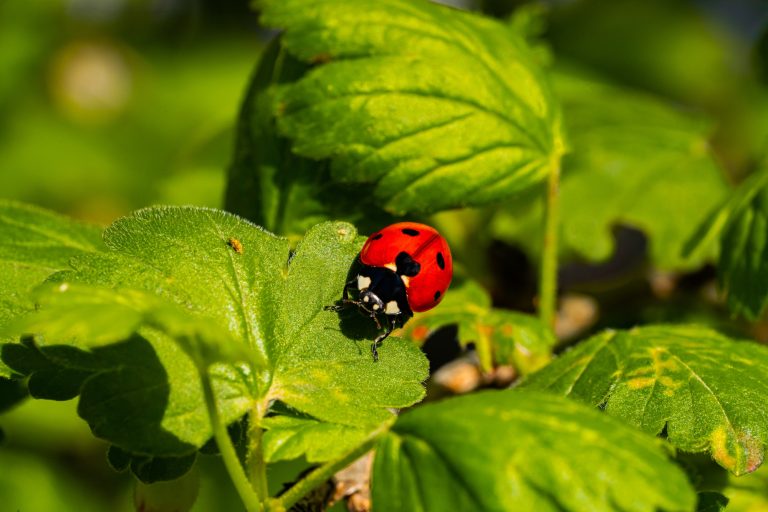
500	336
12	391
183	288
319	369
266	183
53	373
34	243
118	459
743	265
708	392
290	437
635	161
436	108
270	185
88	316
150	400
711	502
160	469
547	454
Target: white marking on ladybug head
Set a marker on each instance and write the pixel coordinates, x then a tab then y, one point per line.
406	280
392	308
366	298
375	306
363	282
392	267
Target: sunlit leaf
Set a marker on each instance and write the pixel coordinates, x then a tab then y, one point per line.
521	450
86	316
290	437
270	185
34	243
437	107
182	289
706	391
634	160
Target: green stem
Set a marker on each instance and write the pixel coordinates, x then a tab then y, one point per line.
548	278
320	475
257	467
227	449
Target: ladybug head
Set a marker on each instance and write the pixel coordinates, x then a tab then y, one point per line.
371	301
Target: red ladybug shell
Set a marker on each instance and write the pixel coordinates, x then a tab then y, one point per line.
424	244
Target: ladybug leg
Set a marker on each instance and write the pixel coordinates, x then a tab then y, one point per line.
345	300
381	337
376	319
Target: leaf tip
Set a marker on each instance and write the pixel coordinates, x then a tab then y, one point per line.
345	232
738	452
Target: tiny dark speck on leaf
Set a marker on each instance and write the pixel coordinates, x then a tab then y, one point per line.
321	58
236	245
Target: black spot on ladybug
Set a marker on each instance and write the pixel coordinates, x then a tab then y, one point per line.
410	232
440	261
377	237
437	295
406	266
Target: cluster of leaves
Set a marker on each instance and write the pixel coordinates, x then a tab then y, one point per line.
137	324
176	324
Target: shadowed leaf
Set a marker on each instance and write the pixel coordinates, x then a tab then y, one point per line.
711	502
34	243
743	265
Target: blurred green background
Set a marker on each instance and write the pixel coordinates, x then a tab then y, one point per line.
107	106
111	105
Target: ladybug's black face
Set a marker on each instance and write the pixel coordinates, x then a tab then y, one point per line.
371	301
382	290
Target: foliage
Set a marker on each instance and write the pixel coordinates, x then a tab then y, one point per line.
704	390
548	454
198	344
635	161
416	98
500	336
208	303
740	224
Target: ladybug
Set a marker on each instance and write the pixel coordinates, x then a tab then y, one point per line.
403	268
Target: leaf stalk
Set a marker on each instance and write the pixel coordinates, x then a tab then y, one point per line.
227	449
257	467
548	276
